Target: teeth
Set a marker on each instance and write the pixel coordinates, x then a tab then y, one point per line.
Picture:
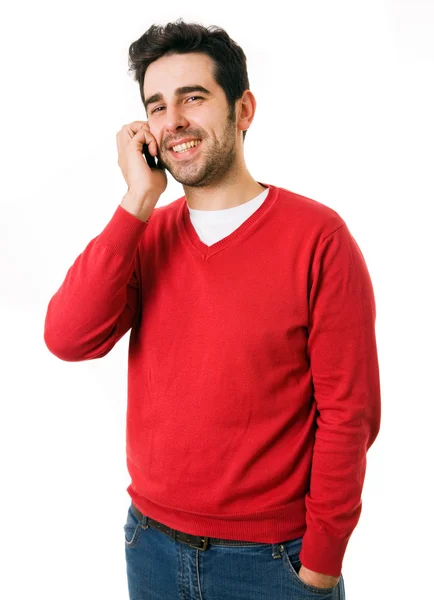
183	147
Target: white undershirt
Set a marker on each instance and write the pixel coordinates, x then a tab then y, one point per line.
213	225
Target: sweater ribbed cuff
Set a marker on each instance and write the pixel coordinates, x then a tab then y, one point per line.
322	552
123	232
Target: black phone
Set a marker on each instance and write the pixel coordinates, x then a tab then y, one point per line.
152	161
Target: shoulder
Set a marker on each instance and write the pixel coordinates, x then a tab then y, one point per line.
309	212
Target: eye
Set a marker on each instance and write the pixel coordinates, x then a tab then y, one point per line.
190	98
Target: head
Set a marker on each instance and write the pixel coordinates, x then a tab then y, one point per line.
187	54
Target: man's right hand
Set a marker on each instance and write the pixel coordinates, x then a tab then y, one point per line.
145	185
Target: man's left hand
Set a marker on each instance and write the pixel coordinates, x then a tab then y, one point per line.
317	579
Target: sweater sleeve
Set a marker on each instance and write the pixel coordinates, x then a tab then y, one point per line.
98	300
345	373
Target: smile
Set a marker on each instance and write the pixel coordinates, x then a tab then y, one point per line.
185	150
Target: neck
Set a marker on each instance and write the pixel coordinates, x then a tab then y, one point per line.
227	194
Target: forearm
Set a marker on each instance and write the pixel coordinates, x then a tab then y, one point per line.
97	301
343	358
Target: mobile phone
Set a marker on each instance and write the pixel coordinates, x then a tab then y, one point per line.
152	161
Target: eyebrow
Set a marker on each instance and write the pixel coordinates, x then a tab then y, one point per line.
186	89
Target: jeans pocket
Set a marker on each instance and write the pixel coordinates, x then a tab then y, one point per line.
132	530
292	562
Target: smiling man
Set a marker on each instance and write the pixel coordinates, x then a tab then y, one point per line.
213	173
253	379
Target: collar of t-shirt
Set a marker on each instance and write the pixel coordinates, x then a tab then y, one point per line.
213	225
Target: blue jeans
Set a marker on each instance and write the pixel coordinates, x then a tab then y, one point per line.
161	568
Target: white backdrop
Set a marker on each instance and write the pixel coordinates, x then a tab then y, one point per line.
344	115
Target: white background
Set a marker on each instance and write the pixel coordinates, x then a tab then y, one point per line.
344	115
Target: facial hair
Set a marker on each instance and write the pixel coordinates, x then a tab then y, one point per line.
215	164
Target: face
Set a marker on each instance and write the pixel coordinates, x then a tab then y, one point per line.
196	114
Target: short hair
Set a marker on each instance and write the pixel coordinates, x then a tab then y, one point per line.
229	60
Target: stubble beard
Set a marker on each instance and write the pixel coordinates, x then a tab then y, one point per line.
213	166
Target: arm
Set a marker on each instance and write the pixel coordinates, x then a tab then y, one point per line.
98	300
345	374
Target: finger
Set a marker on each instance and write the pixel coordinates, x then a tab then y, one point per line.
140	129
150	141
135	126
144	133
146	137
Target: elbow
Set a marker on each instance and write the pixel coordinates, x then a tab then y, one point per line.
76	351
60	349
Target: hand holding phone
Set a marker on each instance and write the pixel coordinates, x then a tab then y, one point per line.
146	180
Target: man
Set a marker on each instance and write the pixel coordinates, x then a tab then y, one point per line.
253	381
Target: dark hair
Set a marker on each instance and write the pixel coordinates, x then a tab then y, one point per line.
230	64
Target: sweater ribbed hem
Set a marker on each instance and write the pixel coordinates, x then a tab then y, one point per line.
271	526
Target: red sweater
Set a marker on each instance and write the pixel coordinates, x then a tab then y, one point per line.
253	378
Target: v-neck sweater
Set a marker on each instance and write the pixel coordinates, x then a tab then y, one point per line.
253	377
214	225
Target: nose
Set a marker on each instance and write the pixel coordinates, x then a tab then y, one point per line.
175	121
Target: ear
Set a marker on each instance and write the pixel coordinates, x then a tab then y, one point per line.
246	110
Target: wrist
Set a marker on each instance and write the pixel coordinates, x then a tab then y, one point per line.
138	205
